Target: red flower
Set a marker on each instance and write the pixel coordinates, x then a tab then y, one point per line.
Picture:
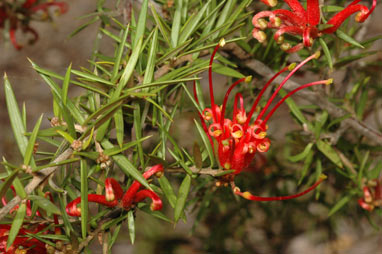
372	196
114	196
24	243
303	22
238	139
21	16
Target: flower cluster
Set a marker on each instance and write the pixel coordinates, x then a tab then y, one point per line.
303	22
372	196
239	138
24	243
14	17
114	196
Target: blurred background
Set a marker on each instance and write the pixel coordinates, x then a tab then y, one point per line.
257	233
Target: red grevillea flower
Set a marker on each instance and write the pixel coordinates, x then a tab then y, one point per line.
114	196
24	244
239	138
372	196
20	16
303	22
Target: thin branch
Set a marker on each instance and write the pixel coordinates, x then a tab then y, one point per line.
203	171
35	182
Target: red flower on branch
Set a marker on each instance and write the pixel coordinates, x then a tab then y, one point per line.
24	243
239	138
303	22
114	196
372	196
20	17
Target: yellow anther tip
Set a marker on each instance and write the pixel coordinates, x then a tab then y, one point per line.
322	177
272	3
247	195
285	46
222	42
292	66
227	165
248	79
317	54
329	81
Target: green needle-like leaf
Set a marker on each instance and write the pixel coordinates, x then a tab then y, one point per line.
167	190
15	117
176	23
184	189
84	198
126	165
141	25
16	224
45	204
131	223
32	141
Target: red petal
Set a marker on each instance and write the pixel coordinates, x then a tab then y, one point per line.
340	17
313	12
297	8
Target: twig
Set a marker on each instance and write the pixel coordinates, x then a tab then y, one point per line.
203	171
35	182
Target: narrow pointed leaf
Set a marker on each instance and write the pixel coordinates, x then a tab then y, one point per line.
141	25
128	71
118	58
131	223
15	117
206	142
149	72
45	204
126	165
84	198
192	24
348	39
176	23
16	224
327	53
32	141
65	85
329	152
167	190
302	155
184	189
343	201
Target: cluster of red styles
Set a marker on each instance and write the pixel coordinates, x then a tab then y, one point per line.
305	23
24	243
238	138
19	18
